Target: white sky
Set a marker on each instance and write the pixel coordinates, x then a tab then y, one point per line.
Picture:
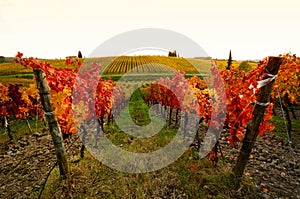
58	28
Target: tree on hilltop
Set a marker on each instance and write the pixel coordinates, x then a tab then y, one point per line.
79	54
229	62
172	53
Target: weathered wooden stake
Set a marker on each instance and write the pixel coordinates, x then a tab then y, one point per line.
83	141
54	127
7	126
288	119
258	112
170	116
29	127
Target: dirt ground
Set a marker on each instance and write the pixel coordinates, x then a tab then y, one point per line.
275	171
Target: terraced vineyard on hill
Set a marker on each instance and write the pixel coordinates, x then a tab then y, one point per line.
115	67
153	64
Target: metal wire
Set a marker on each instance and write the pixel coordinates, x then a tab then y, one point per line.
291	150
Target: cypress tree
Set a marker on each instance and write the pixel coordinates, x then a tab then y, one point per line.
79	54
229	62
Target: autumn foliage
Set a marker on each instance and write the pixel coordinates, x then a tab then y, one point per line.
234	89
288	80
78	90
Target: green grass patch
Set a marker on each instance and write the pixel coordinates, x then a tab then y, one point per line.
13	80
138	111
280	127
23	76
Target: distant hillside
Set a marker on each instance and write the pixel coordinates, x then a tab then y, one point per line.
114	67
151	64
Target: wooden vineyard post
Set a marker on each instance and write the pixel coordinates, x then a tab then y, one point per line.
7	126
258	112
44	91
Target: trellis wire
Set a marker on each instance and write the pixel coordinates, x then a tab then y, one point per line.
291	150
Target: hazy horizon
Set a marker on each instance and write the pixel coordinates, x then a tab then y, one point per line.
59	28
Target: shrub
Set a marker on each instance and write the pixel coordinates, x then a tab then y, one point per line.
2	59
245	66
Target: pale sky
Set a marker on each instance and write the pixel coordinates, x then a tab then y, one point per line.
58	28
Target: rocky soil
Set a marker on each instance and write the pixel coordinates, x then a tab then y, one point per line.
272	166
25	163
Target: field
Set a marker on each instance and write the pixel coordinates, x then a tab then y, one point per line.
114	67
188	177
222	64
26	160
